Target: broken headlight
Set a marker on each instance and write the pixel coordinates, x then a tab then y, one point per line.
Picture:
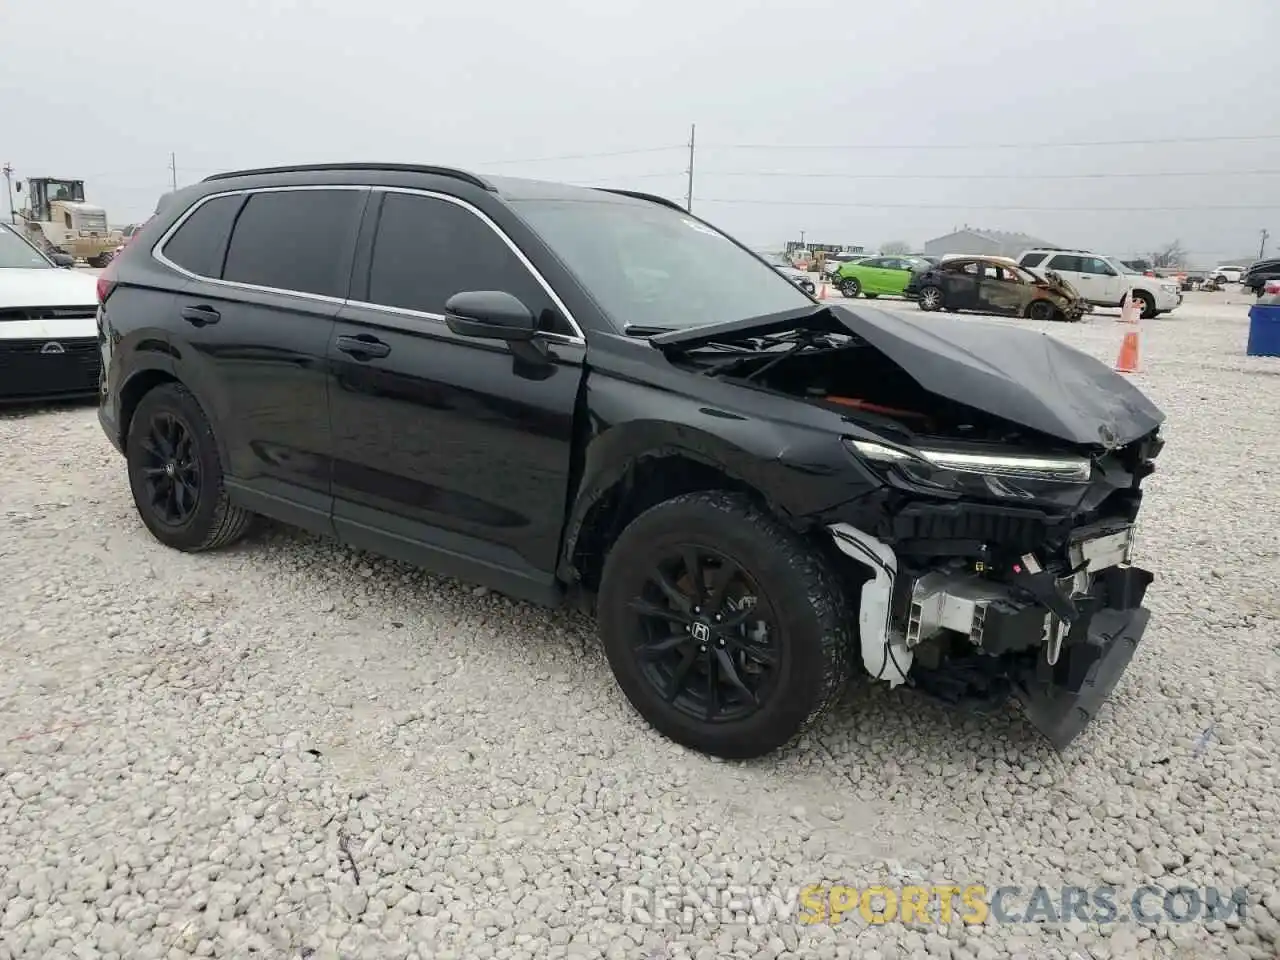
1000	473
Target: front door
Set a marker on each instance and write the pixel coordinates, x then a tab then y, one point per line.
1000	291
1110	286
449	451
268	271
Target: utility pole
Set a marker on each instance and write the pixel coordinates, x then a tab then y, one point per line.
8	179
173	169
1262	247
688	197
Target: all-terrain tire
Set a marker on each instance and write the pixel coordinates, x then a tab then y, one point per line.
215	522
813	615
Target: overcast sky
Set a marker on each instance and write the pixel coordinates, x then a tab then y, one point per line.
913	97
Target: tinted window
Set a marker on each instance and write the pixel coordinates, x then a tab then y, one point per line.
874	262
1032	259
427	250
201	241
1094	265
1066	261
295	240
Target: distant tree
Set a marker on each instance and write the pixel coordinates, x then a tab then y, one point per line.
1170	255
895	248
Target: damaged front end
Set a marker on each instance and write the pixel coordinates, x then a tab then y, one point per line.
994	540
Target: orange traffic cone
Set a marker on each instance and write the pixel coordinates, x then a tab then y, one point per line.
1127	362
822	291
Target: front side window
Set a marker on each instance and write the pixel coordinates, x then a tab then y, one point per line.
428	249
294	240
650	265
200	244
1098	266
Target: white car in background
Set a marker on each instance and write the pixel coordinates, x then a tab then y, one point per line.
1105	281
1227	274
48	325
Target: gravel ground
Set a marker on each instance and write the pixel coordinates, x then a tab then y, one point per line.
289	749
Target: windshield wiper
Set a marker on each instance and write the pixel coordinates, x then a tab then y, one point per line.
643	330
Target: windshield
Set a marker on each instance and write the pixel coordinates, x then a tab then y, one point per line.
16	253
650	266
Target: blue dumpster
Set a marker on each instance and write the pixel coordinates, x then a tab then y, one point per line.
1264	330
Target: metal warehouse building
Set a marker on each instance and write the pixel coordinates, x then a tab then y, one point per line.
995	243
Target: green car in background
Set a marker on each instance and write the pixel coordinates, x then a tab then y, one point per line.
876	276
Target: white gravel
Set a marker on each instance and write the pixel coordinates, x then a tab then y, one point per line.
292	750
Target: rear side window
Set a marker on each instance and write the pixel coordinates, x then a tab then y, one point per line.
201	241
295	240
427	250
1066	261
1033	259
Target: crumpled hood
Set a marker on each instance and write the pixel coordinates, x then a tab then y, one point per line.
1021	375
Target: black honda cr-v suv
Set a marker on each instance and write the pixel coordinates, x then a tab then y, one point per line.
594	396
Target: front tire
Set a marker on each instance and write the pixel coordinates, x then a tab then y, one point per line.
850	287
175	474
1041	311
1148	303
725	630
931	299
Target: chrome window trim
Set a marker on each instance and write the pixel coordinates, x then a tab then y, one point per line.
157	250
157	253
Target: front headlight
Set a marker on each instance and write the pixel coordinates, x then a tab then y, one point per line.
1062	469
1169	287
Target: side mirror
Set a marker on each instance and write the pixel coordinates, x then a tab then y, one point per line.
63	260
489	314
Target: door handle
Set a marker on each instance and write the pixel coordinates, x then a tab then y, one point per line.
363	347
200	316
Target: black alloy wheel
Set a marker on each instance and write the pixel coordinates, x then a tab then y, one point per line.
705	635
175	473
727	630
171	470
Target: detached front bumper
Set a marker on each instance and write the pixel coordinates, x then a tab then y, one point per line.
1057	644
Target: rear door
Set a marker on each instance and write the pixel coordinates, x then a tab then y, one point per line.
268	272
1071	267
449	451
961	284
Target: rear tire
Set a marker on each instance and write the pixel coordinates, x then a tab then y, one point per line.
931	298
175	474
787	635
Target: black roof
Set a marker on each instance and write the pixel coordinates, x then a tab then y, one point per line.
510	188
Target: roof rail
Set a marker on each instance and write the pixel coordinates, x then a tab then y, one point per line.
652	197
463	175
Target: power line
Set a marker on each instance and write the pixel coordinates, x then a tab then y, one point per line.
1037	145
586	156
953	206
991	176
